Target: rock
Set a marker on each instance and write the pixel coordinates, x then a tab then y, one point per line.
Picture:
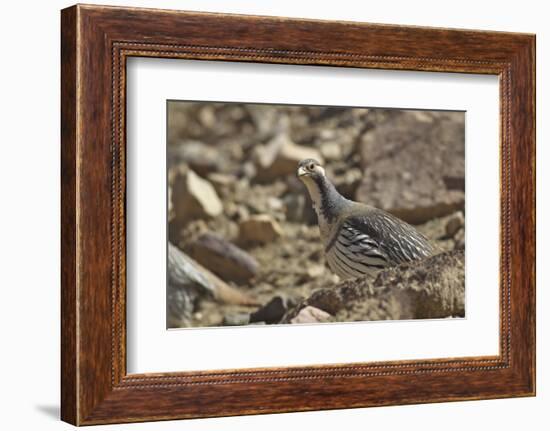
207	116
454	182
430	288
298	209
459	240
311	314
192	230
347	183
194	198
221	181
171	214
200	157
315	271
274	310
236	212
316	255
236	319
280	157
267	119
331	151
454	224
248	170
223	258
412	167
259	228
275	204
188	282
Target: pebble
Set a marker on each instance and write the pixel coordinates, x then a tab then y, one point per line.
315	271
280	157
260	228
331	151
274	310
221	181
236	319
311	314
455	222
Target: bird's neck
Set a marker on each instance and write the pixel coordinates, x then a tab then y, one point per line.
327	202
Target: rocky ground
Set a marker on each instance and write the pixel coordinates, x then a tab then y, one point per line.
238	212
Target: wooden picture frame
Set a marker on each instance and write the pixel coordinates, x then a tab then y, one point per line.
96	41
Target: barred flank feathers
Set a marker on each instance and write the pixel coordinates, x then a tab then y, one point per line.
353	253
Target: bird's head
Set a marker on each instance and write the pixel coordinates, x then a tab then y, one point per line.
310	170
326	200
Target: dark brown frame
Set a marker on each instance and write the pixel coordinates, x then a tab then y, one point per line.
95	43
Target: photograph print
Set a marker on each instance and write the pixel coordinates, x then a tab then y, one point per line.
290	214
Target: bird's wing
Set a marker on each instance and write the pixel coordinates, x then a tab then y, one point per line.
388	236
359	246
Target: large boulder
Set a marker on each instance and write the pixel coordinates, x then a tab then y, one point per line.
223	258
427	289
194	197
413	165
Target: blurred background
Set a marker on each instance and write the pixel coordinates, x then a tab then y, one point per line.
241	223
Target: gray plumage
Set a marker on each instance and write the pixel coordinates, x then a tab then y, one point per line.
358	239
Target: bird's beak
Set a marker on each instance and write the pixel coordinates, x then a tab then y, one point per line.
301	171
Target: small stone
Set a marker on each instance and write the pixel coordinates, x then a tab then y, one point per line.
459	240
200	157
335	278
242	213
194	198
455	222
316	255
259	228
236	319
454	182
315	271
311	314
280	157
423	117
171	214
407	176
327	134
248	170
207	117
221	181
237	212
274	310
331	151
275	204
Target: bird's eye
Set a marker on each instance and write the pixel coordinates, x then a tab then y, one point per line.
311	166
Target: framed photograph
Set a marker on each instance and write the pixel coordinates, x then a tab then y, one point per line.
322	214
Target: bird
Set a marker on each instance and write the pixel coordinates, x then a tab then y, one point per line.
358	239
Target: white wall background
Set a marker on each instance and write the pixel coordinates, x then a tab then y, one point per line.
29	215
